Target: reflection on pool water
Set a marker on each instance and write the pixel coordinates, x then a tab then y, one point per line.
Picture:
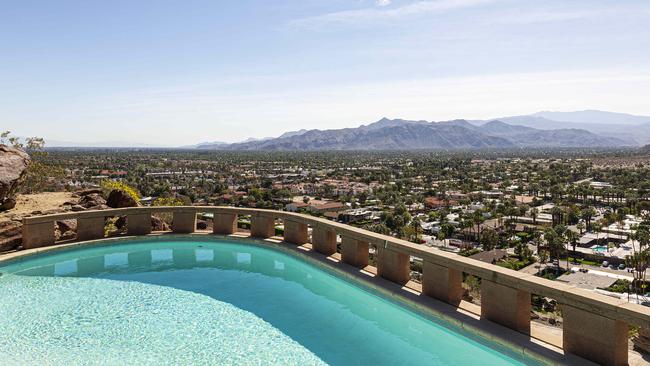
210	302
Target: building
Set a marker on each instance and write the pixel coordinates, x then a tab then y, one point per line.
435	202
491	256
296	206
356	215
327	207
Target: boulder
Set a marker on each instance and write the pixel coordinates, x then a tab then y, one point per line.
118	199
64	235
8	204
77	208
89	191
53	211
10	235
120	223
92	201
10	228
158	224
13	168
67	225
68	235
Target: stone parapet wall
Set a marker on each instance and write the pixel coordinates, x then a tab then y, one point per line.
592	320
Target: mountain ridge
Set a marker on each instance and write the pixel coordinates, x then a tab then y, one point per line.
400	134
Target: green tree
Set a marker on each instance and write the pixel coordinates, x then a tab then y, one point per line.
554	242
416	228
489	239
639	261
572	238
543	257
523	252
446	230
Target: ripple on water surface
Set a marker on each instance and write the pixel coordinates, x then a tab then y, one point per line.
99	321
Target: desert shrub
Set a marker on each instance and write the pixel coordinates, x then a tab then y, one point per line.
111	185
167	201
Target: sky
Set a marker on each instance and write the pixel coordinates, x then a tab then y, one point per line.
172	73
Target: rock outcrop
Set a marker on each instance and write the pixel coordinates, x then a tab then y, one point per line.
10	235
121	223
91	201
65	230
119	199
89	191
158	224
67	225
13	168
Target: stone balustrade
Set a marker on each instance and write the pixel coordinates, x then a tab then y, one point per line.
595	326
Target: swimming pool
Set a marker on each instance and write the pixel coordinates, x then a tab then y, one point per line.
211	302
599	248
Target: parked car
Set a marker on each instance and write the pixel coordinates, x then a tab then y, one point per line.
621	266
605	264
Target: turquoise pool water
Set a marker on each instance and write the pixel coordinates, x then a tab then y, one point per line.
208	303
599	248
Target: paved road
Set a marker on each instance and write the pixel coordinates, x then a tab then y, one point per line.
534	269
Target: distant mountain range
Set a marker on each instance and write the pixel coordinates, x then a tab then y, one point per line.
595	117
532	131
590	128
634	130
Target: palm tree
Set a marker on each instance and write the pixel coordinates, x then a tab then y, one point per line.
643	237
489	239
587	214
556	214
533	215
572	238
417	228
596	229
543	257
554	241
639	261
536	239
477	218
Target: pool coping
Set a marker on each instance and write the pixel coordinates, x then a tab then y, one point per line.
468	323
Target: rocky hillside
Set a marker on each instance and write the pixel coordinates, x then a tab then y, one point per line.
58	202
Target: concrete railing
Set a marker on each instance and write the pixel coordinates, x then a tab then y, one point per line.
595	326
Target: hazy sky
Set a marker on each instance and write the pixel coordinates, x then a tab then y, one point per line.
181	72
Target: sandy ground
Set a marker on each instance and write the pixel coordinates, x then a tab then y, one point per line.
28	203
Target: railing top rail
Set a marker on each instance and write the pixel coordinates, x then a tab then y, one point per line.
563	293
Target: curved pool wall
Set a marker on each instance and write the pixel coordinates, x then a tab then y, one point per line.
217	301
595	327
